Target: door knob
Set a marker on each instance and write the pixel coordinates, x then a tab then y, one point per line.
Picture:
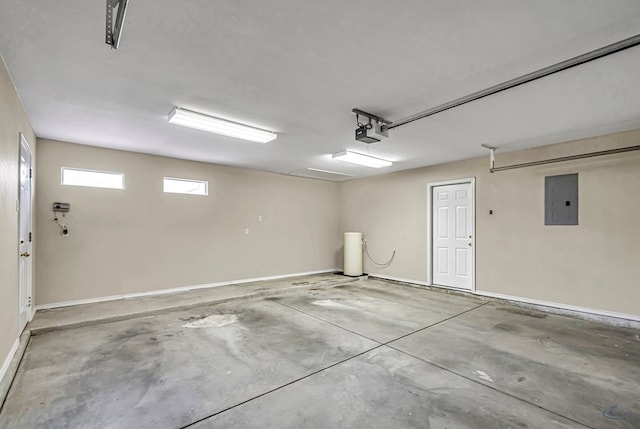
25	254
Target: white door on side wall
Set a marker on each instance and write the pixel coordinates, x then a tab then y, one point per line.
452	235
24	310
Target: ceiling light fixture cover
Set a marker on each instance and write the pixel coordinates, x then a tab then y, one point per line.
361	159
329	172
200	121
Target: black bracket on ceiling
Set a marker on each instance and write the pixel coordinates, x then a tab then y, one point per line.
114	26
375	118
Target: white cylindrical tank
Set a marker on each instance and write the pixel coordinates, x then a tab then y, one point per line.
353	254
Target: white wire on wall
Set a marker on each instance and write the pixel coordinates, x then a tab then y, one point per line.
384	265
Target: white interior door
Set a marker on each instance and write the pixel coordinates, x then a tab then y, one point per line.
25	235
452	233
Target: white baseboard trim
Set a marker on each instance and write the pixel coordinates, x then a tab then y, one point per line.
620	319
7	361
400	279
422	283
595	313
176	290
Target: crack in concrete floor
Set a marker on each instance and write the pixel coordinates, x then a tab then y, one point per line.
385	357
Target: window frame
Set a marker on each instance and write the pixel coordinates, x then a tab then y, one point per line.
180	179
88	170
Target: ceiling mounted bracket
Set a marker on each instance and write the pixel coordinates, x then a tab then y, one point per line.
114	26
492	155
375	118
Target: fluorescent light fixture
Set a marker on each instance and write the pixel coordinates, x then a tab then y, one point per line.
199	121
114	26
361	159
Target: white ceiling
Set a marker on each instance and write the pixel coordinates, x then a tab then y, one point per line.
299	67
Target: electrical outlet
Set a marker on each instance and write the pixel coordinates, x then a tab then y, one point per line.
259	218
65	231
246	231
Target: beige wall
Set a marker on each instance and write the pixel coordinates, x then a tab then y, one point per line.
12	122
594	265
141	239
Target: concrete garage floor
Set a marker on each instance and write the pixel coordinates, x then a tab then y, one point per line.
332	354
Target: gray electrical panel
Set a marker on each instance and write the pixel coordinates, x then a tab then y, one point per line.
561	199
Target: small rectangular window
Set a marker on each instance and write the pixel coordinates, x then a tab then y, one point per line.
92	178
185	186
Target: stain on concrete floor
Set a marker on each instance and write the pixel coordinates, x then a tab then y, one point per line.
290	362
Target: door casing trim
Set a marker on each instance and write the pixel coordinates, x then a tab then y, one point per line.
430	186
22	140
